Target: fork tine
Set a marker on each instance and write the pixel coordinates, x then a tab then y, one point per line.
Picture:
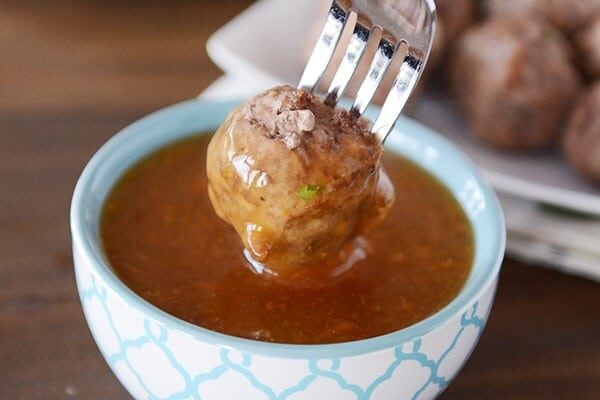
323	51
347	68
403	86
381	61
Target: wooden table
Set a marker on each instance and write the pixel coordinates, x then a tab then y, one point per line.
73	73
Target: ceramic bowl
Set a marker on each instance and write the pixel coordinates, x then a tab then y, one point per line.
157	356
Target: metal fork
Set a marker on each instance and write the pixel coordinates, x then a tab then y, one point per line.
407	27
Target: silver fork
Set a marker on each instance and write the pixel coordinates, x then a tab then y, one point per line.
407	25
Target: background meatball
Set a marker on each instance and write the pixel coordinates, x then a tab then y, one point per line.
567	15
582	139
514	79
588	45
296	178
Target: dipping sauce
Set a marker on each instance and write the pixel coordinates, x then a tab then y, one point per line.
163	239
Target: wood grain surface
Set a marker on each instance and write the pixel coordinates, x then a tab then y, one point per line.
72	73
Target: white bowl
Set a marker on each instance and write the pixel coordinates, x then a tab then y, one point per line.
156	355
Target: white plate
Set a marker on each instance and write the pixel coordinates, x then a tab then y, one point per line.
264	45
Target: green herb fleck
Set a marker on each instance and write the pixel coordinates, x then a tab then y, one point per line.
308	192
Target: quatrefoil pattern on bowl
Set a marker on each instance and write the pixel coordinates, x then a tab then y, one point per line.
154	361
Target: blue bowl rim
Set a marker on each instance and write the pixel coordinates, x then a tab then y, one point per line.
92	252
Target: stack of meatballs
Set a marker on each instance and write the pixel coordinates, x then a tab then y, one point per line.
526	73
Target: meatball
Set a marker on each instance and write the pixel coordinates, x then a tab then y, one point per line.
567	15
296	178
588	44
514	79
582	139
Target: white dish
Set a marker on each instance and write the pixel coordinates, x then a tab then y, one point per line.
264	43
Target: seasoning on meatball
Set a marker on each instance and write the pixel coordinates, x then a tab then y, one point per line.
514	79
582	139
567	15
588	44
296	178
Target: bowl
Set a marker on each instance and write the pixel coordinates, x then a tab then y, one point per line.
158	356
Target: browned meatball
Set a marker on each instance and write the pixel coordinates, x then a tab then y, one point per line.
296	178
567	15
582	140
588	44
515	82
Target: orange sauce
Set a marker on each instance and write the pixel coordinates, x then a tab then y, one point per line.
165	242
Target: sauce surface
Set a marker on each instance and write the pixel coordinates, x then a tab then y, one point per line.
165	242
